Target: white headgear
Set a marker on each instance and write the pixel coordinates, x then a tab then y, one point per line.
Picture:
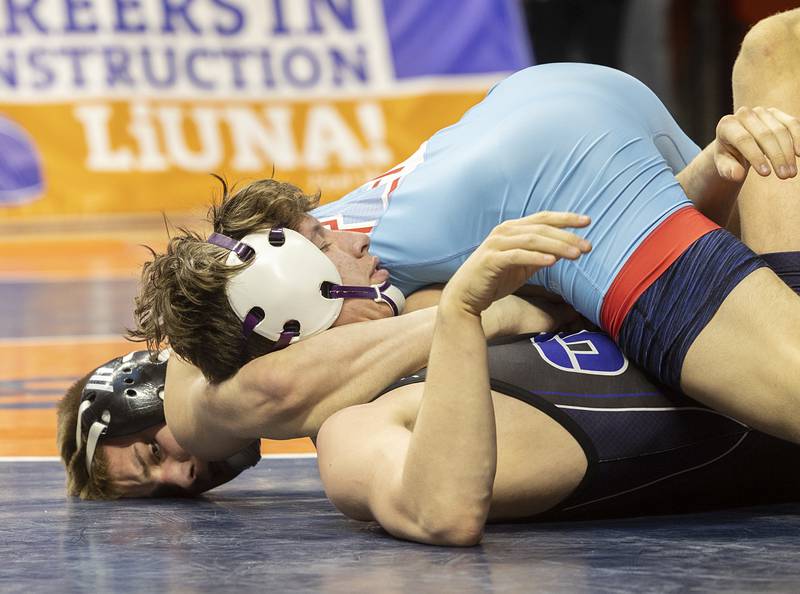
290	290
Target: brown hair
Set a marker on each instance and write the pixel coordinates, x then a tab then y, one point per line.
182	297
98	484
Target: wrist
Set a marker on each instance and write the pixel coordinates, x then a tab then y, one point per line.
452	311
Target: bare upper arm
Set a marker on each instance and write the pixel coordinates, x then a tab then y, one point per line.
210	421
360	453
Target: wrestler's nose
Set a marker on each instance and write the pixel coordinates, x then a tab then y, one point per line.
183	473
357	243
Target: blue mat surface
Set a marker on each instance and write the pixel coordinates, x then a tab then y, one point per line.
272	530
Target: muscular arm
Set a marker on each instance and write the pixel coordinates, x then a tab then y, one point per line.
452	485
290	393
343	366
429	477
428	480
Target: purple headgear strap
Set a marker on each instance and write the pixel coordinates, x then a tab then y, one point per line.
352	292
252	320
242	250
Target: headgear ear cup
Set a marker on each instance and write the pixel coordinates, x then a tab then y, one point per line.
285	280
292	282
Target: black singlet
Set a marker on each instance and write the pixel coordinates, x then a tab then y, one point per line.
649	450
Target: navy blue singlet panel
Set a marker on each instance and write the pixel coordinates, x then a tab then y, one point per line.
667	318
649	449
787	266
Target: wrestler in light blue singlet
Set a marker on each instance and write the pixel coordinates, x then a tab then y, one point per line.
559	137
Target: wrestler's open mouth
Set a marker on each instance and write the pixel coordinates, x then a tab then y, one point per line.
378	274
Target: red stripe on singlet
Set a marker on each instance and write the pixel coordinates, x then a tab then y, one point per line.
649	261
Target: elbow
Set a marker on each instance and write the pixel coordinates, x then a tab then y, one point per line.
462	537
455	527
454	517
464	533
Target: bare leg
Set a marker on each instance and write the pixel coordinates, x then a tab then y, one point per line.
746	362
767	73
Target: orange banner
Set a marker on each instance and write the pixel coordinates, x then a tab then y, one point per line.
119	157
126	107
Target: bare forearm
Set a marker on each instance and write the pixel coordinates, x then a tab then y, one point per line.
290	393
348	365
452	456
711	194
295	390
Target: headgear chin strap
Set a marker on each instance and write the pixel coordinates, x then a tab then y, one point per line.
290	290
126	396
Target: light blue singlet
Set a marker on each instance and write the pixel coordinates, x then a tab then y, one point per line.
560	137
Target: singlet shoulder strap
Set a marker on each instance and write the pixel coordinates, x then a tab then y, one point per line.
414	378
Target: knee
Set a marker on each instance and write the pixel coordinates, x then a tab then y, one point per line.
771	38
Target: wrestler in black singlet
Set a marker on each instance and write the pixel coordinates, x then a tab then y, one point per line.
649	450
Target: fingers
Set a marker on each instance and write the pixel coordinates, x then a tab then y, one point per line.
533	234
522	258
736	138
543	239
556	219
792	125
766	138
730	168
782	157
549	223
512	253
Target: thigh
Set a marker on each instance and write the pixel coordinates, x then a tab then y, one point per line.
746	361
767	69
767	73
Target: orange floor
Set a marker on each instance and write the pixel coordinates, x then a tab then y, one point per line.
37	364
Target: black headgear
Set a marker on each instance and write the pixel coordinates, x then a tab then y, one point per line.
126	396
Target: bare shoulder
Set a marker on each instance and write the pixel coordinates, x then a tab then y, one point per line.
186	405
200	414
182	388
357	444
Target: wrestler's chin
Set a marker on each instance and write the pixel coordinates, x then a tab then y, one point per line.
219	473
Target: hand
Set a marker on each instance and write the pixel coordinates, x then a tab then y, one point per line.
759	137
511	254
